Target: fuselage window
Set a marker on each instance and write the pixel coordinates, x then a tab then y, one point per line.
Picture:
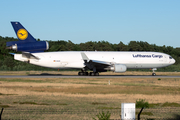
170	57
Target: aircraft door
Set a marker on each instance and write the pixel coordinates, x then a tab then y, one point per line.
165	58
63	64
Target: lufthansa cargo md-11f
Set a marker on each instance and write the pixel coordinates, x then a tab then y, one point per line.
96	61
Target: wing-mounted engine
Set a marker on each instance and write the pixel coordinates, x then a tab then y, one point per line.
37	46
119	68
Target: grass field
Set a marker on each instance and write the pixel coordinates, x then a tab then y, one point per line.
84	98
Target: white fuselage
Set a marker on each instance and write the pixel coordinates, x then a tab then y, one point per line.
73	59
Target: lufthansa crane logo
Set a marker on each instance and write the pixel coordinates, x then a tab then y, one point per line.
22	34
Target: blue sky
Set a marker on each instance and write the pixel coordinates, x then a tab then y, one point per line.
154	21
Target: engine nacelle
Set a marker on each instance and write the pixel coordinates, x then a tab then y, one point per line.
118	68
30	46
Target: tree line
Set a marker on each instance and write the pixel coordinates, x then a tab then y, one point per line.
7	62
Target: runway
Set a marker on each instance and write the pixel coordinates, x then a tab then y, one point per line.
76	76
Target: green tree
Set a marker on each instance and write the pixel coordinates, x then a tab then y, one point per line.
62	45
9	62
134	46
70	46
104	46
122	47
103	116
146	46
88	46
142	103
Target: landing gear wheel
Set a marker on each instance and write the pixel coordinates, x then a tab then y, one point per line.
80	73
92	74
153	74
86	73
96	74
83	73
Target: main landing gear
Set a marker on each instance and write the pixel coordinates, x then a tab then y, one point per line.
94	74
83	73
86	74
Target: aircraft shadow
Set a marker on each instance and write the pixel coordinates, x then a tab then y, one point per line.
48	74
44	74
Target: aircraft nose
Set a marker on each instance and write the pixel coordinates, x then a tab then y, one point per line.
174	61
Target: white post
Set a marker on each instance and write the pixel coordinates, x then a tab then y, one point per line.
128	111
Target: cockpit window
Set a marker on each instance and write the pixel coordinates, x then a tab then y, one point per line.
170	57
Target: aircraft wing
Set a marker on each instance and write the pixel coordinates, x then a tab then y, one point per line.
27	55
96	62
91	64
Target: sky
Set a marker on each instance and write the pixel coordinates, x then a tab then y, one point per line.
153	21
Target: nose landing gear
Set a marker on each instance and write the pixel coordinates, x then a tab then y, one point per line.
154	74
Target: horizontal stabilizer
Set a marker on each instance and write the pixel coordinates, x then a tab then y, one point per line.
29	55
12	53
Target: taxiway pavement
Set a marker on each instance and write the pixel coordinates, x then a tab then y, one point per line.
76	76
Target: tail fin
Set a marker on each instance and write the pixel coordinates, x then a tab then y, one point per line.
26	42
22	33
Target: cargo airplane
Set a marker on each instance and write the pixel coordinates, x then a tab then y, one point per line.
96	61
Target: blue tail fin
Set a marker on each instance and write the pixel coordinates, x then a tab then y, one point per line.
22	33
26	43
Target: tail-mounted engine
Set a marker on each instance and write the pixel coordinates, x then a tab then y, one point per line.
38	46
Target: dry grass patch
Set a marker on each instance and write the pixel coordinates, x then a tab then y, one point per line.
147	86
80	96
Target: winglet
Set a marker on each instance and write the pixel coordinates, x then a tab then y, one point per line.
84	57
